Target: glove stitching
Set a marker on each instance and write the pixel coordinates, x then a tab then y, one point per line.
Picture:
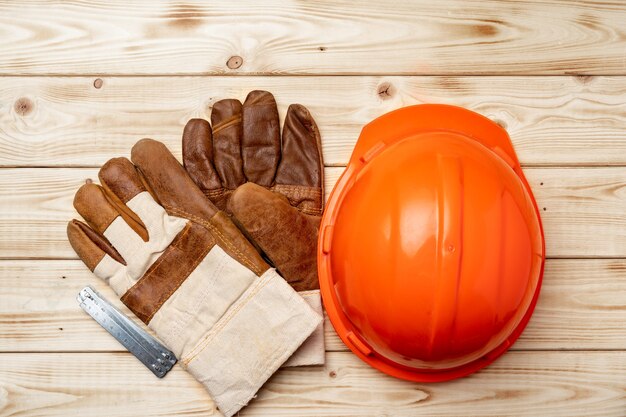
294	194
214	193
244	259
297	194
313	212
308	293
298	188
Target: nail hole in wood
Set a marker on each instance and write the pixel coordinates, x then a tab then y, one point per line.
234	62
322	48
98	83
332	374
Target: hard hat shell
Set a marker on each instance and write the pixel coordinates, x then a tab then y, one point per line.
431	248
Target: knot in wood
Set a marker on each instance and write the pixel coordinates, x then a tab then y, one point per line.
234	62
386	90
23	106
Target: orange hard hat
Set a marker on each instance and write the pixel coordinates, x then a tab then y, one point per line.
431	249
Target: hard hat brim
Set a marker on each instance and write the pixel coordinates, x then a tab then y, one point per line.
375	136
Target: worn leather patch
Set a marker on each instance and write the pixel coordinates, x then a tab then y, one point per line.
166	275
286	236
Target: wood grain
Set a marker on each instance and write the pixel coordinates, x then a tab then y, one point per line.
81	81
112	384
60	121
518	384
329	37
584	216
582	307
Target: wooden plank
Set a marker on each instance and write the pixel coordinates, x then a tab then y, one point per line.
584	216
57	121
518	384
111	384
39	311
329	37
582	306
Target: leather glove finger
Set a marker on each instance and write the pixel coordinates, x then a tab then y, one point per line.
260	145
92	204
198	157
227	120
90	246
300	174
301	151
173	188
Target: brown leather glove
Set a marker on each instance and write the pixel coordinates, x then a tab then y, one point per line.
274	190
185	269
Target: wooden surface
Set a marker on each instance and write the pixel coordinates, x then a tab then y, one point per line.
81	81
321	37
66	121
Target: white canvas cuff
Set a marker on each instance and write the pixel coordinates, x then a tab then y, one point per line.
312	351
200	301
257	334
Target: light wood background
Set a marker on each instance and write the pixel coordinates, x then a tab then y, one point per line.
81	81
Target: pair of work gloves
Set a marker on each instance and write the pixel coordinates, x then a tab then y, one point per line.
196	251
